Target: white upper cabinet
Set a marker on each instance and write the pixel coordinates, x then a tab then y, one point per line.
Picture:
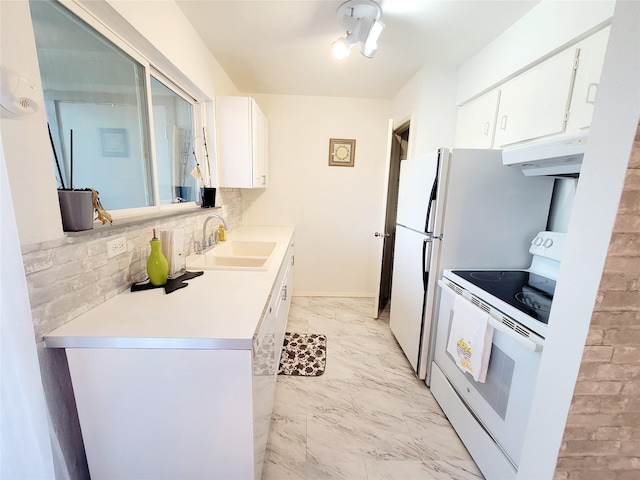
260	127
477	121
242	132
534	104
590	60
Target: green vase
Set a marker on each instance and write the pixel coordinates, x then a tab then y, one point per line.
157	265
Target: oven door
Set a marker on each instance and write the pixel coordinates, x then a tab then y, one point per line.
501	404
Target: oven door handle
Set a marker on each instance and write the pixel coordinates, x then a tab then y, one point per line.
528	342
533	343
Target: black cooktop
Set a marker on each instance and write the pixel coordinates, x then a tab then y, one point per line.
530	293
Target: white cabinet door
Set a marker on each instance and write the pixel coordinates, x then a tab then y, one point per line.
242	131
477	121
265	361
152	413
266	357
534	104
285	293
260	146
591	58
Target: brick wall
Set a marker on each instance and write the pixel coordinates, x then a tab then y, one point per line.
602	436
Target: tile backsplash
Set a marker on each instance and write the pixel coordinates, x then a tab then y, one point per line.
69	276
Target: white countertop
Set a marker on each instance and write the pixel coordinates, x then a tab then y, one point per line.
218	310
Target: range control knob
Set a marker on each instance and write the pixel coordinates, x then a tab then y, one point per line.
537	241
547	243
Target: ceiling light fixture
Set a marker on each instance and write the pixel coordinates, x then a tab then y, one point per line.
360	18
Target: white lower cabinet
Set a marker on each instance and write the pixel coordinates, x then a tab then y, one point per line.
165	413
168	413
265	361
284	297
266	357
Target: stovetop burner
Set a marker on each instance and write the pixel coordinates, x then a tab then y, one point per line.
533	298
530	293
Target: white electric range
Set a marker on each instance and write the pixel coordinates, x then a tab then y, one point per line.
491	417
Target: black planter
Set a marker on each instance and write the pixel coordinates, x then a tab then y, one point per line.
208	197
76	208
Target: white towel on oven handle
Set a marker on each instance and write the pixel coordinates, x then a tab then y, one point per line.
470	338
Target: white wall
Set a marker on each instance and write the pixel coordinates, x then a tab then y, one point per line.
161	31
548	27
25	451
436	119
405	105
428	101
335	210
26	141
615	121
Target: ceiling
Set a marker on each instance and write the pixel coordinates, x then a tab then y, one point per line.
284	46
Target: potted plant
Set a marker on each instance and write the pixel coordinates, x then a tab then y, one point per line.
77	205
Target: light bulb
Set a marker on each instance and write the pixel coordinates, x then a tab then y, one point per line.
341	48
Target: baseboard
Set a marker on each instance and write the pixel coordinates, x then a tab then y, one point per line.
333	294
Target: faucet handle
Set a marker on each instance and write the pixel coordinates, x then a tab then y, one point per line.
197	246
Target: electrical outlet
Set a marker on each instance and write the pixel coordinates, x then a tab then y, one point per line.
116	246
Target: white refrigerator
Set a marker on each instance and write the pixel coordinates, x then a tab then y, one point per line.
456	209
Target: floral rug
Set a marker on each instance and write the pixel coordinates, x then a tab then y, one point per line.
303	354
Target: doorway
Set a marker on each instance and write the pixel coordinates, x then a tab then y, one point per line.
399	147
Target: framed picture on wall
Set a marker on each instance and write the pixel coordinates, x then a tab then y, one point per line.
115	142
342	152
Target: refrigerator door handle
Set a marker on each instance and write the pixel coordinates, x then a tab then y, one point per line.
432	198
425	271
426	257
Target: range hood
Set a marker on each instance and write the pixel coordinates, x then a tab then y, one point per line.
558	156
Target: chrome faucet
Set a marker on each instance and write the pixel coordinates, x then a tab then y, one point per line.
206	243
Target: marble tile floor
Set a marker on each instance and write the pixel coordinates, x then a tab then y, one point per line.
368	417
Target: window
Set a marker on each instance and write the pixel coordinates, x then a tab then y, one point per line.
174	143
102	95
